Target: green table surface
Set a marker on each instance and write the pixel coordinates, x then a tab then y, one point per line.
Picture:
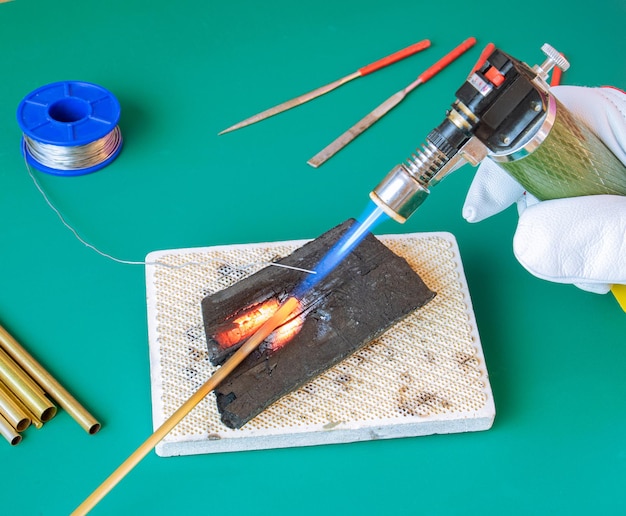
182	72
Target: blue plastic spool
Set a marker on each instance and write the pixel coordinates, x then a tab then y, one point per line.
67	114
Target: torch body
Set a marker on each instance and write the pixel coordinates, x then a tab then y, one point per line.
570	161
506	112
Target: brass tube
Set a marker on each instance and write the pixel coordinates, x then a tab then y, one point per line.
35	421
25	388
48	383
9	433
12	412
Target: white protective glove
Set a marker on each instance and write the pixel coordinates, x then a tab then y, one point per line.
577	240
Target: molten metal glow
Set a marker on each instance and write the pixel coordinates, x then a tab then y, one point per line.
287	331
244	325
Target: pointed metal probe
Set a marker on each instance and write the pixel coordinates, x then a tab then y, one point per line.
373	117
377	65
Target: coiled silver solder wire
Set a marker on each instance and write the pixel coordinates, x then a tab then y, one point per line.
76	157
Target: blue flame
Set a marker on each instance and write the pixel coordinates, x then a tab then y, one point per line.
371	217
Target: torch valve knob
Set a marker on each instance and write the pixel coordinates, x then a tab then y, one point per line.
553	58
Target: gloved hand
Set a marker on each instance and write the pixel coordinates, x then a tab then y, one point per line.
578	240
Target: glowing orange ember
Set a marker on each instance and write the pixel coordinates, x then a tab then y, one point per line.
245	324
287	331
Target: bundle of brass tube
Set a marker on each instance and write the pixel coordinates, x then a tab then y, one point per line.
25	388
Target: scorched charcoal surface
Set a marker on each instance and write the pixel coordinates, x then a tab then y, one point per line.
369	291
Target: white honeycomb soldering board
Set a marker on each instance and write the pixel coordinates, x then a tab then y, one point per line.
425	375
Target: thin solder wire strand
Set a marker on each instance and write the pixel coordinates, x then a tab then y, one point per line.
75	157
133	262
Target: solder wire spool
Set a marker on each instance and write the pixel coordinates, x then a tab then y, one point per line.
70	128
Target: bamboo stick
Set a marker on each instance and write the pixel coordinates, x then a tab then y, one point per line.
48	383
250	345
25	388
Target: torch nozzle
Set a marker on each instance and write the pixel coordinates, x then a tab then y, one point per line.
405	187
399	194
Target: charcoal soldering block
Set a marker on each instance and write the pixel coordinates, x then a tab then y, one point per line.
370	290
